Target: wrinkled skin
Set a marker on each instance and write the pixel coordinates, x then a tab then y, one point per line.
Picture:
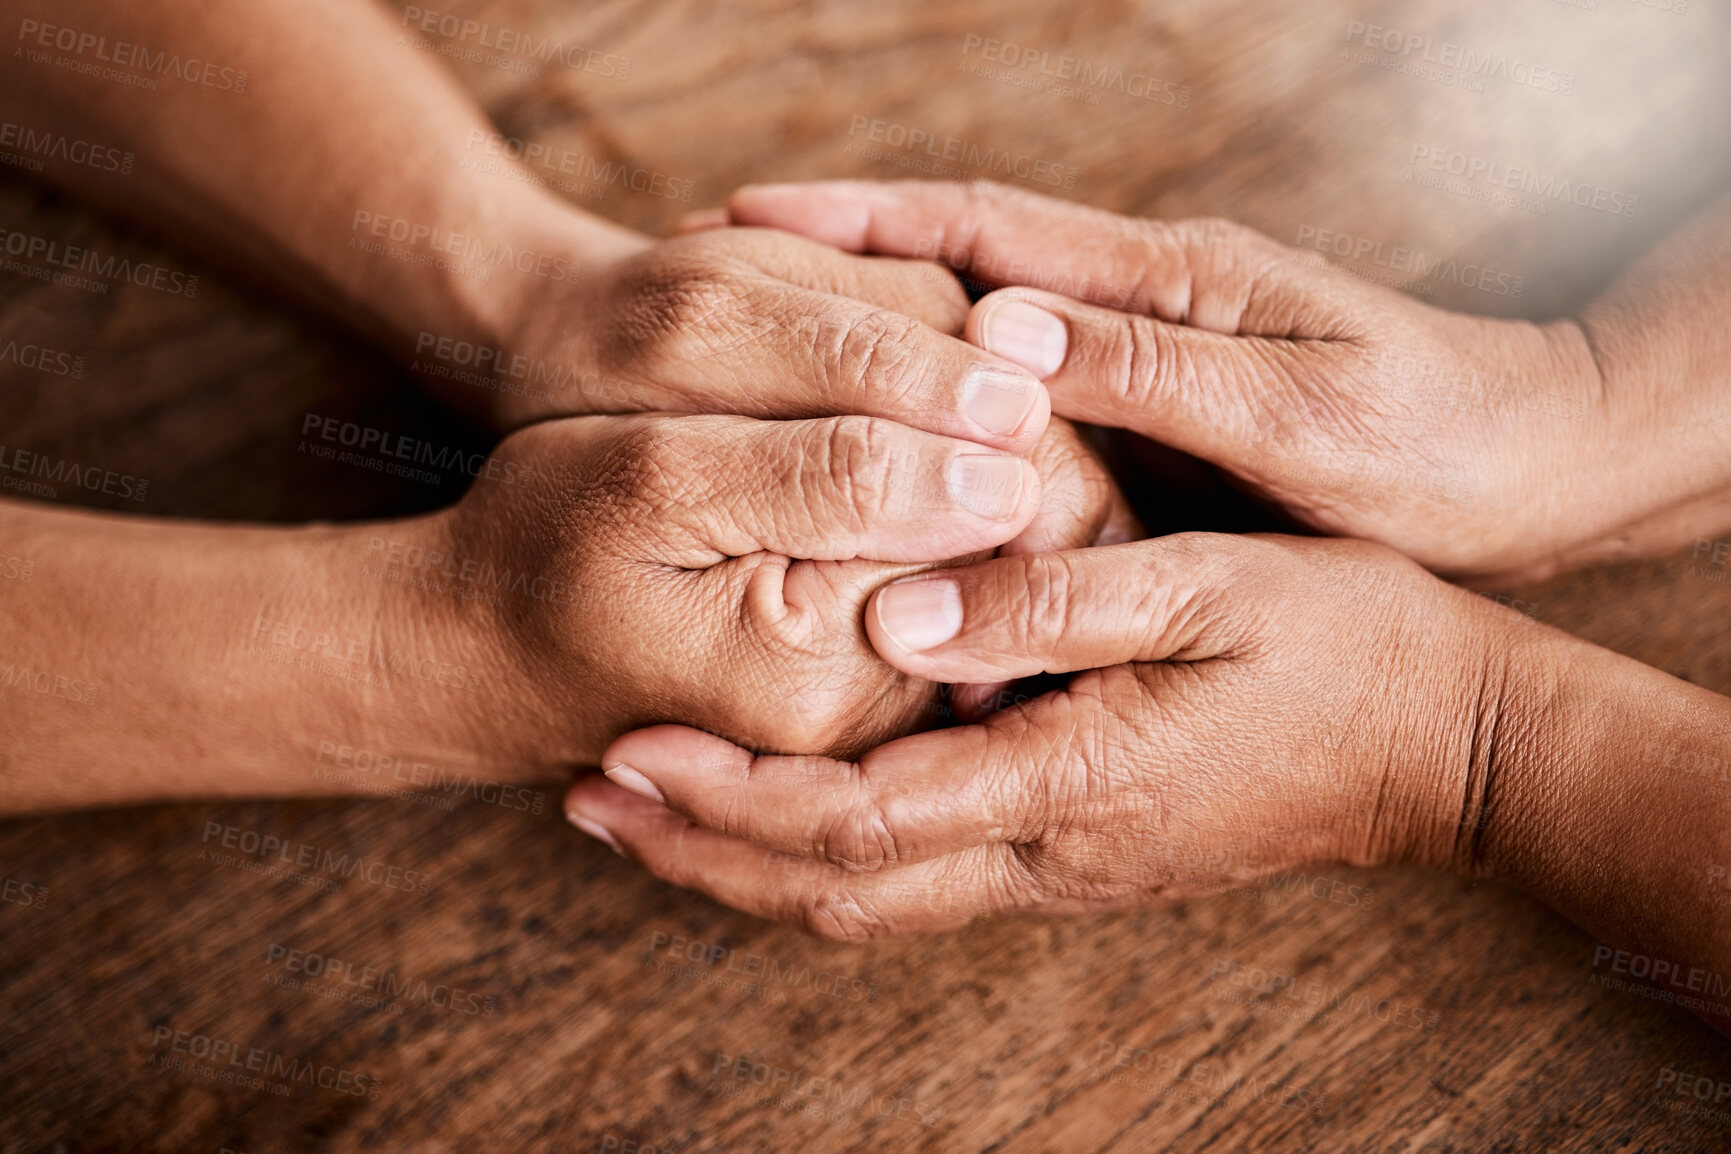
715	570
1247	704
1483	448
766	324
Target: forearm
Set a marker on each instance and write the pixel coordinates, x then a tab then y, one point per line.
322	152
1611	799
149	660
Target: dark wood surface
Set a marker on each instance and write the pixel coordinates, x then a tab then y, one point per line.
1471	1019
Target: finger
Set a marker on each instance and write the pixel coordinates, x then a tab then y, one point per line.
823	899
1058	612
1204	393
827	490
1080	503
907	801
1202	319
1208	273
763	347
922	797
920	289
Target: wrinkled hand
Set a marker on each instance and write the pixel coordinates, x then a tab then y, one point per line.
713	570
710	570
1250	704
765	324
1479	447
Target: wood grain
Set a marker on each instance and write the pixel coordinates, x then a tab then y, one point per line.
1470	1016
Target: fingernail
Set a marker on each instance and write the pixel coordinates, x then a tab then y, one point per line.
989	486
1029	336
628	778
997	401
595	830
920	614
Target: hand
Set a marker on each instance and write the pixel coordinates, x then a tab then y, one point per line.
1250	704
1080	505
1480	447
713	570
764	324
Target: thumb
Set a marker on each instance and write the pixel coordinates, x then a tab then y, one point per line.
1018	616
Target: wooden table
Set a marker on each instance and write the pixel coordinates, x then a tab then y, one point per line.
544	995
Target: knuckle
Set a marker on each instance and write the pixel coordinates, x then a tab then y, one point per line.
838	916
854	461
1045	608
861	840
875	358
679	310
1140	360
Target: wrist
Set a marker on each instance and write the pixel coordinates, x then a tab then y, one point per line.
478	348
1609	803
453	694
1460	773
1651	470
